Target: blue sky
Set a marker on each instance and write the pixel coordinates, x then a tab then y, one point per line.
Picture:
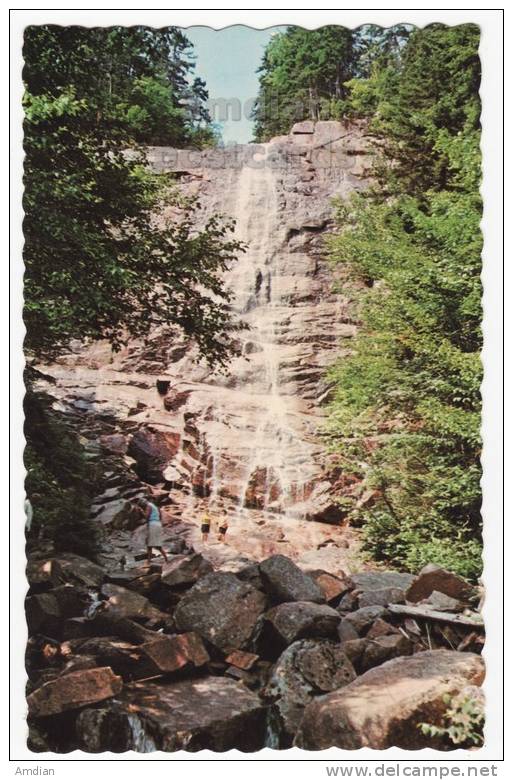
227	60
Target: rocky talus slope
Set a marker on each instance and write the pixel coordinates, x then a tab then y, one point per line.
186	657
278	637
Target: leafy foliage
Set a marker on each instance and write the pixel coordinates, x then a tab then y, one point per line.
101	258
406	410
302	76
61	481
463	722
306	74
135	81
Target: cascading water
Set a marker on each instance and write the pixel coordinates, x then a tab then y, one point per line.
274	472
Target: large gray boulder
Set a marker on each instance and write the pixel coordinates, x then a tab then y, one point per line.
294	620
284	581
383	707
221	609
306	669
379	588
362	619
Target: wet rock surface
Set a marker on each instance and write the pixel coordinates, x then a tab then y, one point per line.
249	437
212	713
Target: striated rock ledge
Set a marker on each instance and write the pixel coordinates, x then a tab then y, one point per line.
248	438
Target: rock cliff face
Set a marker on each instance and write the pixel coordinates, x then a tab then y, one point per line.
248	438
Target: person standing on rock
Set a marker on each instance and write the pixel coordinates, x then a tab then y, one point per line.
154	539
205	528
222	528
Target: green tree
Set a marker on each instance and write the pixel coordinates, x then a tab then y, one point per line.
302	76
101	261
420	98
406	411
116	68
61	480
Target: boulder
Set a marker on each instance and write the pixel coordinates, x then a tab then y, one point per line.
348	603
378	580
221	609
383	648
121	656
362	619
379	588
73	600
346	631
152	450
76	570
294	620
433	577
141	579
332	587
43	614
108	622
251	574
306	669
384	706
381	597
74	690
284	581
39	573
130	604
380	627
354	649
241	660
211	713
175	653
185	570
443	603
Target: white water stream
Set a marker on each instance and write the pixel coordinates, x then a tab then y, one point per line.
277	452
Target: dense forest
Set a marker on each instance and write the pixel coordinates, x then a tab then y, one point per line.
93	259
406	411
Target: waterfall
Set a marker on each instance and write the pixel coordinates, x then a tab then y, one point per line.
273	474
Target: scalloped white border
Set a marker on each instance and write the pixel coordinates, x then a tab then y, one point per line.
490	21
